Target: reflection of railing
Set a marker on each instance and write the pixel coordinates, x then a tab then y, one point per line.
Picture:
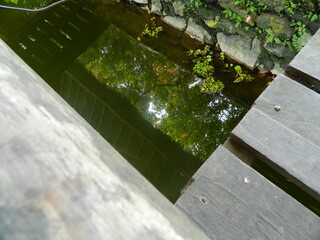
56	37
160	160
33	10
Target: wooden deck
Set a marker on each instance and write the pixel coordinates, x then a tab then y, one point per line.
230	200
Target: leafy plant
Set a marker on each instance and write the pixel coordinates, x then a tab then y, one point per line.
203	67
202	61
299	35
292	7
222	56
311	15
270	38
241	76
196	3
288	43
233	16
297	42
211	85
253	7
152	30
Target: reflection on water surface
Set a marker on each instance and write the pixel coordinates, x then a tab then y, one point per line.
154	75
165	93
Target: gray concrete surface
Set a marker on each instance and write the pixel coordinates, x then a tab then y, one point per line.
283	130
305	66
60	180
230	200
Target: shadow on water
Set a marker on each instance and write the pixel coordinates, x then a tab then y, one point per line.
129	90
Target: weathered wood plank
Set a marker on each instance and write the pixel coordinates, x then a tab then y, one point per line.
60	180
299	107
229	200
305	66
288	152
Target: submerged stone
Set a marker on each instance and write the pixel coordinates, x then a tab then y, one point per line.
244	50
198	32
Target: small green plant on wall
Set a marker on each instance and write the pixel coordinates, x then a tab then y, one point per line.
253	7
270	38
196	3
297	38
203	67
233	16
241	76
151	29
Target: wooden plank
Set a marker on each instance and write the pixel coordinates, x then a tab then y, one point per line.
231	201
305	65
299	107
288	152
59	179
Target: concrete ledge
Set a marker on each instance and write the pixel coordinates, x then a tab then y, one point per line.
60	180
304	67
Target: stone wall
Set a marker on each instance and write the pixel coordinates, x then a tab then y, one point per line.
248	33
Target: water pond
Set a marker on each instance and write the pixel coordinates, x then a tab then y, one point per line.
119	67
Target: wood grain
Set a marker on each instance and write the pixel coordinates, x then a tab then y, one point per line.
60	180
288	139
229	200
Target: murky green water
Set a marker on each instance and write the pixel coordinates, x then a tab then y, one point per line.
165	93
154	75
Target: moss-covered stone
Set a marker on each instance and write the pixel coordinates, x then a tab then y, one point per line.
278	50
227	4
279	25
276	5
208	21
179	8
209	13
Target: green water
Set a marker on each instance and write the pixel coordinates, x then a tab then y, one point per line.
91	55
165	93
